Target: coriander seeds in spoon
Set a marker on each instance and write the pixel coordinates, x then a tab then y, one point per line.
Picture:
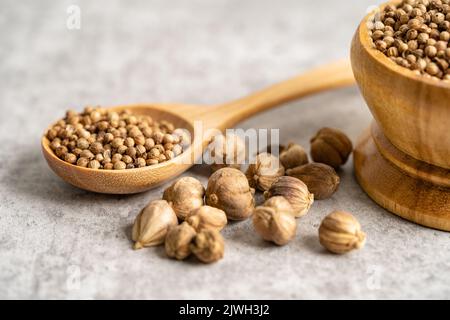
98	138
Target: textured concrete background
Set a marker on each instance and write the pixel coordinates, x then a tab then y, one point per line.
57	241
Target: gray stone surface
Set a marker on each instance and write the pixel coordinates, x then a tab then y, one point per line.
57	241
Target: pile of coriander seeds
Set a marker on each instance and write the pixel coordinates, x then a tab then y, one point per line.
415	35
101	139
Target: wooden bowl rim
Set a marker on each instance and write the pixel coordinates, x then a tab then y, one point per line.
367	43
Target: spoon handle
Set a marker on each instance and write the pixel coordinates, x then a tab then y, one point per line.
334	75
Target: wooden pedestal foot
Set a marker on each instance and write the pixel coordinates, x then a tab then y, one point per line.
414	190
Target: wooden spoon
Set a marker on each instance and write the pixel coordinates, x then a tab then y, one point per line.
183	116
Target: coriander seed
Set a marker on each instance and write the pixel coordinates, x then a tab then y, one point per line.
140	162
70	158
120	165
82	162
95	130
412	30
94	164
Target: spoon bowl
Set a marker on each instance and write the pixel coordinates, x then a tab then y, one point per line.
130	180
184	116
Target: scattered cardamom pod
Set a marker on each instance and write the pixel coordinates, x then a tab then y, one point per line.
208	245
151	225
294	191
279	203
293	156
227	151
184	195
228	190
340	232
274	225
321	179
266	169
207	217
331	146
178	241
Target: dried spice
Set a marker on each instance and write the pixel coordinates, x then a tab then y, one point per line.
266	169
207	217
340	232
178	241
294	191
274	224
415	34
293	156
227	151
321	179
151	225
279	203
114	140
208	245
331	146
228	189
185	195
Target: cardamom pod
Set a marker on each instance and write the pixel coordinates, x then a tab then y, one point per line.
293	156
266	169
151	225
208	245
321	179
228	190
331	146
274	225
207	217
184	195
178	241
294	191
340	232
227	151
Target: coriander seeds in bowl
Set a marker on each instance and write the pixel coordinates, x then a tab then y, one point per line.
415	34
98	138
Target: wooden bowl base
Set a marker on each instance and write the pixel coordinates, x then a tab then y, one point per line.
414	190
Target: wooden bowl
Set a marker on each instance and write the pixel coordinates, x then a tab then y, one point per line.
411	135
411	110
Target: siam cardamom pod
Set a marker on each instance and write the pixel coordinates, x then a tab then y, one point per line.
208	245
340	232
293	156
178	241
266	169
331	146
274	225
294	191
321	179
207	217
151	225
184	195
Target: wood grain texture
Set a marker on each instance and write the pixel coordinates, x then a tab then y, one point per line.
184	116
410	197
